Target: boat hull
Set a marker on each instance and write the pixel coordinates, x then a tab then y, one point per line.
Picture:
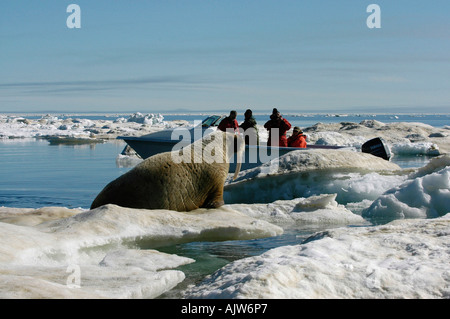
254	155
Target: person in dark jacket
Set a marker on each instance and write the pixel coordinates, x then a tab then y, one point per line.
250	129
229	122
297	139
277	122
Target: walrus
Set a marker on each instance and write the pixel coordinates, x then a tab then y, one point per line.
181	180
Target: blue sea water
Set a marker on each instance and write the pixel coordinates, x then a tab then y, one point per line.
35	174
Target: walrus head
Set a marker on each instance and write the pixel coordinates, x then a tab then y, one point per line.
220	147
215	147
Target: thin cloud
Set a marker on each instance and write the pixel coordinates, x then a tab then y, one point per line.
173	82
96	83
389	79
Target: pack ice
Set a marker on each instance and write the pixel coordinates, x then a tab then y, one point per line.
406	258
44	251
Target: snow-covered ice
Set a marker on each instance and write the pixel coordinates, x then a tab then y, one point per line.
352	175
312	211
37	250
407	258
403	259
423	196
57	127
402	138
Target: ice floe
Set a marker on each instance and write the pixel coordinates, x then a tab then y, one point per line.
403	259
61	127
41	254
406	258
322	210
422	196
314	172
403	138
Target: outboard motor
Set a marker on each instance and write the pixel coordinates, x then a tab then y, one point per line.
377	147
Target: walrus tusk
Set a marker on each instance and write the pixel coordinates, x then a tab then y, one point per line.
239	149
238	169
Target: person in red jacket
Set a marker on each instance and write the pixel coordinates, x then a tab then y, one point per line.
229	122
277	122
297	139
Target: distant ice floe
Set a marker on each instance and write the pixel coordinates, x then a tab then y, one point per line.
409	139
401	137
53	126
150	119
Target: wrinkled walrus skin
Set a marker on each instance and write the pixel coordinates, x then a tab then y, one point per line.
159	182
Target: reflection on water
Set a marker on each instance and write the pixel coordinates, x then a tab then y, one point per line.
411	161
211	256
34	173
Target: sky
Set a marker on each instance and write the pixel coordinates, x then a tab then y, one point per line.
191	55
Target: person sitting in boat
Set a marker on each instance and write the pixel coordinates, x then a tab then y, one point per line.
297	139
229	122
250	129
280	124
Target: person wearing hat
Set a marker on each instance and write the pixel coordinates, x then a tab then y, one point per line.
297	139
229	122
250	129
277	122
